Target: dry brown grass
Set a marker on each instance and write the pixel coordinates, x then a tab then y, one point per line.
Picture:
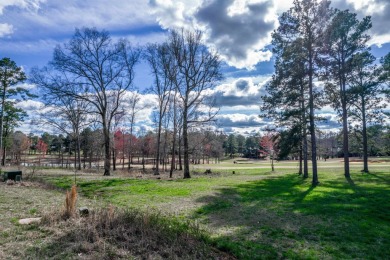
112	233
70	202
106	233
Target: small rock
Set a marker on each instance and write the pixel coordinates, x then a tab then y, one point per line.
28	221
208	171
84	211
10	182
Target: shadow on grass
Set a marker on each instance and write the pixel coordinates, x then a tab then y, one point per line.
387	180
285	217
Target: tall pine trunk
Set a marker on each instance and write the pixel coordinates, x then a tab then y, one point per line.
365	145
304	133
312	123
2	121
345	129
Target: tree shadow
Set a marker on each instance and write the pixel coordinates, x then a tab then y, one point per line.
281	217
303	195
350	182
387	180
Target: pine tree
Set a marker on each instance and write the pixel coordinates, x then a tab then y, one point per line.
343	38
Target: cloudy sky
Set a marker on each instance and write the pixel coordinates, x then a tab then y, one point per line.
238	29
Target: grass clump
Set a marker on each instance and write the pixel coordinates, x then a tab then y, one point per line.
113	233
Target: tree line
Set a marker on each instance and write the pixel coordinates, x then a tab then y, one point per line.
323	59
90	77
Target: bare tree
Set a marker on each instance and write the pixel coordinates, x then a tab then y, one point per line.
159	59
194	70
176	108
63	112
133	110
20	143
98	71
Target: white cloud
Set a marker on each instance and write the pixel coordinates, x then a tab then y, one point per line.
25	4
27	86
30	105
30	5
44	19
245	91
369	7
5	29
238	30
378	10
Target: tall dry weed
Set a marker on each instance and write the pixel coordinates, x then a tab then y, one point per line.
70	202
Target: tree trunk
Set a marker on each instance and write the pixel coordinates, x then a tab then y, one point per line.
305	164
156	171
180	159
107	150
123	151
312	124
78	145
304	134
3	157
365	146
345	133
113	160
185	143
300	159
2	120
173	157
75	157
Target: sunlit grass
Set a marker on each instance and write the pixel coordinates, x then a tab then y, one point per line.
256	213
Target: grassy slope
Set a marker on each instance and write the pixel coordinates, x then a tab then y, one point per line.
255	214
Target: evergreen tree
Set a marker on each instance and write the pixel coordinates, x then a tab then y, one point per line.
298	38
10	76
365	94
343	38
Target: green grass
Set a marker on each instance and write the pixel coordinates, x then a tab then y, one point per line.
337	219
151	192
256	214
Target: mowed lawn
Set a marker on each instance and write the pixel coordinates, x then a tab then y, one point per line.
258	214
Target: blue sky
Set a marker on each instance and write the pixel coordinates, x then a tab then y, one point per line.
238	29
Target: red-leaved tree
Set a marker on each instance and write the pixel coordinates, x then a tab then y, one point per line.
42	148
268	147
